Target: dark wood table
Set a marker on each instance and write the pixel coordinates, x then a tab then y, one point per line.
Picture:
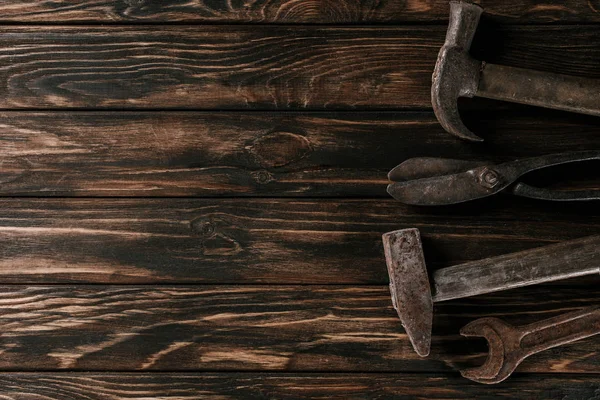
194	196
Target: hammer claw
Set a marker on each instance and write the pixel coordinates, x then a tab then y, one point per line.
456	74
451	121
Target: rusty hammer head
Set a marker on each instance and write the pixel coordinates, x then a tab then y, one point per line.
409	286
456	73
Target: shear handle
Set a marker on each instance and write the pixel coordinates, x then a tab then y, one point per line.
532	192
513	170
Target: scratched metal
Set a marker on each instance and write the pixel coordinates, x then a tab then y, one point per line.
413	301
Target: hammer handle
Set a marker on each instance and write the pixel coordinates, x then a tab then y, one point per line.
537	88
544	264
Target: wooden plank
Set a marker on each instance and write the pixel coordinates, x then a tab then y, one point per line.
254	153
225	386
282	328
260	241
245	67
285	11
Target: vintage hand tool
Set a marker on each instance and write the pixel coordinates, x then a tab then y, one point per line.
457	74
409	282
440	181
509	345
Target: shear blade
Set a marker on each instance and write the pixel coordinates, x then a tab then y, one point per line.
428	167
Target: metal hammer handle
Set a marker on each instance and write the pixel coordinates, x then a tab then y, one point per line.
543	89
563	329
544	264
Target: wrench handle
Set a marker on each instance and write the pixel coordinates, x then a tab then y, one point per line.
562	329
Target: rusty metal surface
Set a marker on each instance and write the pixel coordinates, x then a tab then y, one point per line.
457	74
413	301
543	89
510	345
439	181
564	260
411	291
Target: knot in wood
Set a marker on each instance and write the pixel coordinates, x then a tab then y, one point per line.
263	177
277	149
203	227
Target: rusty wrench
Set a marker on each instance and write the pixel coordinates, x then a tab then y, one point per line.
509	345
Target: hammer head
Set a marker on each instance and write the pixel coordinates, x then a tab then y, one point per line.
409	286
456	73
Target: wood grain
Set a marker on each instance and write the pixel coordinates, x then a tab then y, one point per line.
242	67
286	11
259	241
283	328
258	153
225	386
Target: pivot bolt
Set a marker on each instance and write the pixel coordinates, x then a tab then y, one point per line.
489	178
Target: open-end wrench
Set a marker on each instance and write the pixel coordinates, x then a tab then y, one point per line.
509	345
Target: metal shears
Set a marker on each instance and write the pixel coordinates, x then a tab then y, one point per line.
430	181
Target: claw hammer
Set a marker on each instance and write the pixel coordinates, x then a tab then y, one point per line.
457	74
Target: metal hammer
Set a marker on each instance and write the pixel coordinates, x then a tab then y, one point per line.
411	292
457	74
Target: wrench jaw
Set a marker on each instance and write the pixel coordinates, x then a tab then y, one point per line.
495	369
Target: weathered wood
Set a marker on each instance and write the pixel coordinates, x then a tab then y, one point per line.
254	241
286	11
226	386
275	67
284	328
255	153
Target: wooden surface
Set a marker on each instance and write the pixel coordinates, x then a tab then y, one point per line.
282	154
287	11
193	198
275	67
227	386
260	240
276	328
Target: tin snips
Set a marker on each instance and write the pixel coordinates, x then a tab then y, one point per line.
439	181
